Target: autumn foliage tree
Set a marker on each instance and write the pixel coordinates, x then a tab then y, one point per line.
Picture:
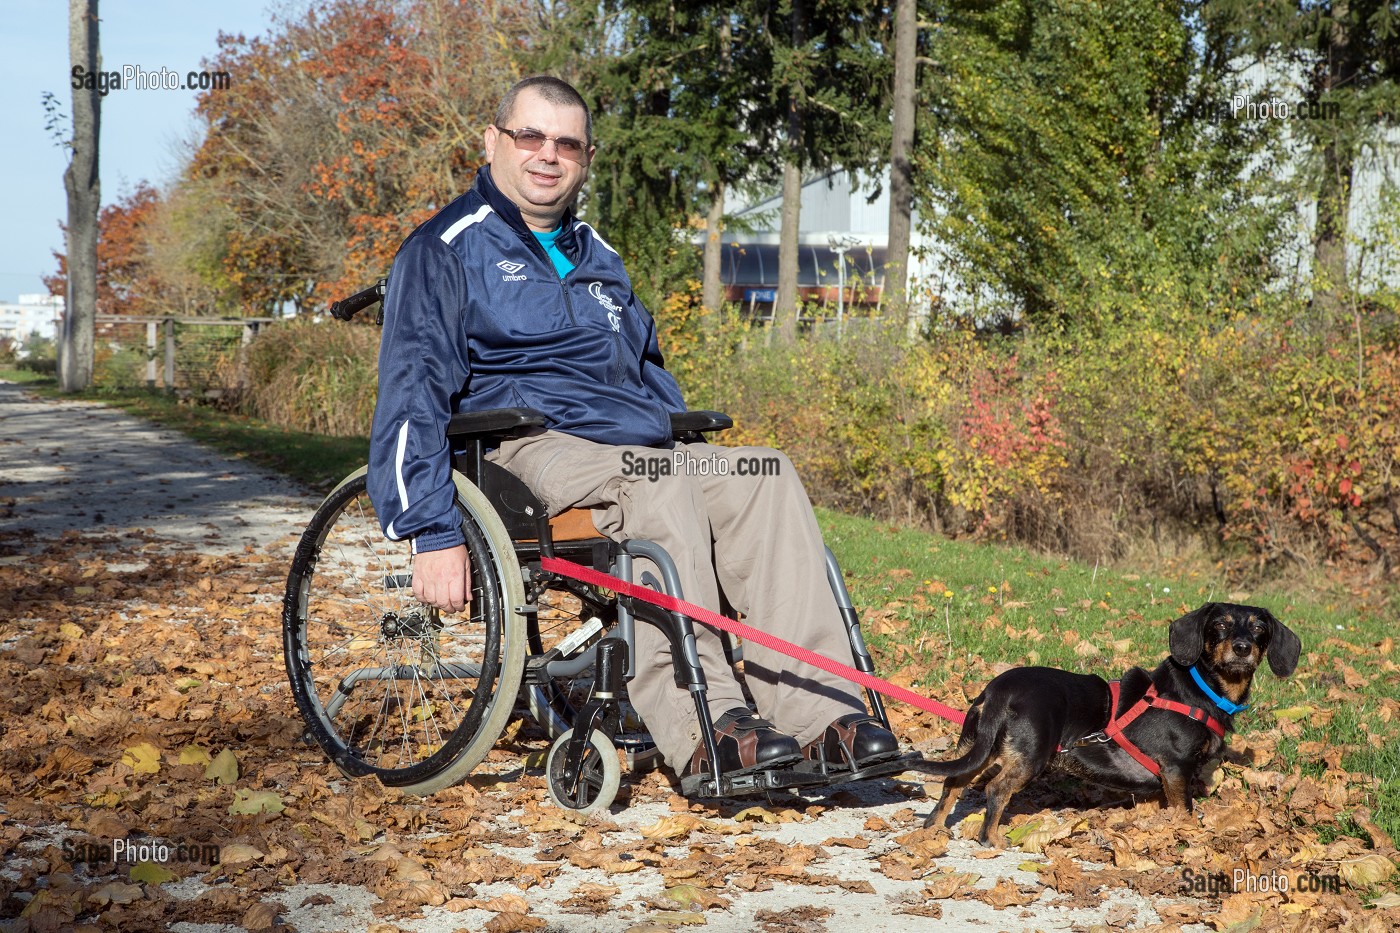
127	280
344	129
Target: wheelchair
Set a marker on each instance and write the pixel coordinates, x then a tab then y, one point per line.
417	697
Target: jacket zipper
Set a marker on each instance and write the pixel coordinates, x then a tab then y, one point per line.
617	352
569	310
534	245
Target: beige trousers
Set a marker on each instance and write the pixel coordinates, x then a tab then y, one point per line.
751	536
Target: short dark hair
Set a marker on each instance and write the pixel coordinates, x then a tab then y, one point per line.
552	89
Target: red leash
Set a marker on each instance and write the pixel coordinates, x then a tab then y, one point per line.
700	614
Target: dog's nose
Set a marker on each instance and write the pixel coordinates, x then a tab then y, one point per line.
1242	647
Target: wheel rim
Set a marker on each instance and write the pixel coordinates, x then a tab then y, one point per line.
389	687
598	777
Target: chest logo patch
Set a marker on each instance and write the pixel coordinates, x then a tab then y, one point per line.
614	309
510	269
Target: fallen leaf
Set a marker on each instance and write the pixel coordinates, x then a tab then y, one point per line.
239	854
677	826
513	923
764	815
261	916
193	755
1006	893
677	918
947	885
224	768
1367	870
143	758
689	896
848	842
150	873
1033	835
249	802
115	892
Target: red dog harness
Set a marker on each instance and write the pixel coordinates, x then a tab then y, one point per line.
1150	700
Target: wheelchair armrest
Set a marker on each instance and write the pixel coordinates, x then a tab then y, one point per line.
698	422
494	424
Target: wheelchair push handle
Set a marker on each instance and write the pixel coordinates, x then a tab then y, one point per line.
346	308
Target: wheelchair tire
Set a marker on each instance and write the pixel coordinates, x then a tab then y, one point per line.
386	686
602	774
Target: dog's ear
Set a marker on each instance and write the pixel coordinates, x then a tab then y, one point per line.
1284	646
1188	637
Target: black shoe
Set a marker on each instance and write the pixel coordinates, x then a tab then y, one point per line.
851	743
745	743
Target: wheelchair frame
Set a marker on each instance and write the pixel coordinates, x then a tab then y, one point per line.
351	627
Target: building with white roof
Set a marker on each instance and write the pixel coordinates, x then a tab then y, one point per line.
31	314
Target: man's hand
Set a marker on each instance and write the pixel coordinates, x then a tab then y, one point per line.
443	578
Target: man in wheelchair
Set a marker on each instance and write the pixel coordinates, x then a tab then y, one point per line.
506	299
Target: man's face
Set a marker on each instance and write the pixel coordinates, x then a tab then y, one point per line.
542	184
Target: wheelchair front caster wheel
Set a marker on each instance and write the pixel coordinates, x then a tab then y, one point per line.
600	776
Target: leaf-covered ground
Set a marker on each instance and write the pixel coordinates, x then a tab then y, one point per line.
146	703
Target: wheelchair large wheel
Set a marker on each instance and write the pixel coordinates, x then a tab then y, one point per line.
387	686
574	621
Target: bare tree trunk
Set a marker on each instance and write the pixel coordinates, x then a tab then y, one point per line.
901	170
84	199
785	305
712	287
1334	191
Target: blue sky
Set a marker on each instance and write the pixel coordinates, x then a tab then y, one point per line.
144	132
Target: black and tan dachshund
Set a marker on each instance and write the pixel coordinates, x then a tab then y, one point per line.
1171	721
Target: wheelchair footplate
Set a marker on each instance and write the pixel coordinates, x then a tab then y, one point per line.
745	783
909	761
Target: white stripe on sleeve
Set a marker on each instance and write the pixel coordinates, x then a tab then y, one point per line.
398	477
451	232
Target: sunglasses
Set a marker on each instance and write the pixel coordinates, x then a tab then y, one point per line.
533	141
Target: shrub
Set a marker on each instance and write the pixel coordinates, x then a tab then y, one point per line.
312	375
1174	425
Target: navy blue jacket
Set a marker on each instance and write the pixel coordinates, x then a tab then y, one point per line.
476	317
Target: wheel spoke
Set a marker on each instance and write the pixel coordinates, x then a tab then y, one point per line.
388	686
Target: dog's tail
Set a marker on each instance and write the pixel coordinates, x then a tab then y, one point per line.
984	743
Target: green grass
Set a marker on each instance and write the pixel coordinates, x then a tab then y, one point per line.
966	606
26	376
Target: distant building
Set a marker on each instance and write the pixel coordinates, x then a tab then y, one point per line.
31	314
842	216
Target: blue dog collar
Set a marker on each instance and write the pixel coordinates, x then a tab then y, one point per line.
1225	705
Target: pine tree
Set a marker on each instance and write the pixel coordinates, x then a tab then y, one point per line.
1348	55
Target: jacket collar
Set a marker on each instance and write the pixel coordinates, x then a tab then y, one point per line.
505	207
